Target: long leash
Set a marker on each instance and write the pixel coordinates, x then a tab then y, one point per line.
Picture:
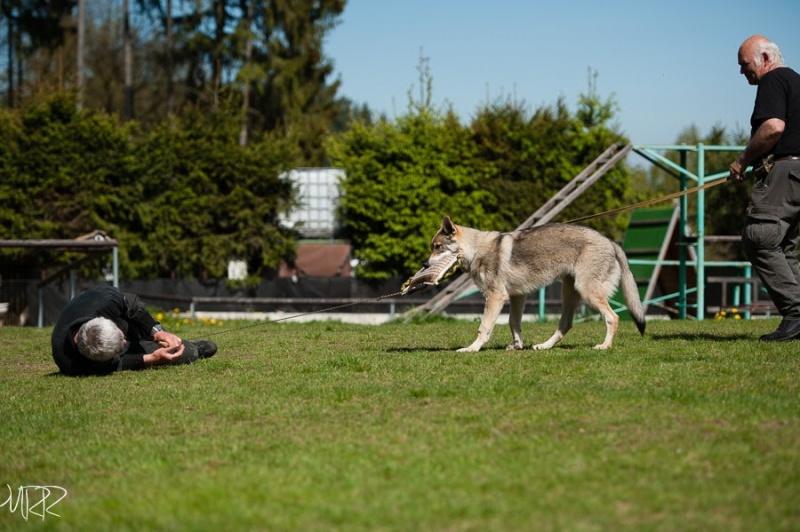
293	316
581	219
649	202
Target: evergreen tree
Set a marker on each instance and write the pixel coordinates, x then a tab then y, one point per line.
294	94
182	200
533	155
33	28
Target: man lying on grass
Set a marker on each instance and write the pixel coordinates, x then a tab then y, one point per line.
104	330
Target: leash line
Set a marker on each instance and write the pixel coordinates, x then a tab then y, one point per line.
293	316
649	202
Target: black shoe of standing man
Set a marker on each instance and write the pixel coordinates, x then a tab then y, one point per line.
787	330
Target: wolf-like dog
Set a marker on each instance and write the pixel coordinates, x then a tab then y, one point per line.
509	266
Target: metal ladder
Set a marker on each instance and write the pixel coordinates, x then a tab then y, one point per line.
588	176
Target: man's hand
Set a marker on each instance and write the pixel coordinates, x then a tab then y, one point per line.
167	339
171	349
737	172
165	355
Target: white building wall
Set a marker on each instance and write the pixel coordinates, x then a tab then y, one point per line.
319	192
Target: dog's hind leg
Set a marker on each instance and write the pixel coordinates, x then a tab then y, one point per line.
516	308
491	310
596	296
609	316
569	300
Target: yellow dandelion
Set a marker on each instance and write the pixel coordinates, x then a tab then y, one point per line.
176	310
159	316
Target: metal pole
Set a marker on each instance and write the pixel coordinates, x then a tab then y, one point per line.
81	38
115	265
41	308
542	292
748	291
682	298
701	234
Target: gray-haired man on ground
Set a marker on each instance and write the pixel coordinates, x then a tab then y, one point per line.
103	330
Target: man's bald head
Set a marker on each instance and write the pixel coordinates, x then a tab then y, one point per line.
757	56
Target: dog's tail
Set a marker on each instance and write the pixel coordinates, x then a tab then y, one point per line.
630	292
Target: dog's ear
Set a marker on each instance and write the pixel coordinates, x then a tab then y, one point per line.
448	227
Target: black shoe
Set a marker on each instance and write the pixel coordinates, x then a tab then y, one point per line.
205	349
787	330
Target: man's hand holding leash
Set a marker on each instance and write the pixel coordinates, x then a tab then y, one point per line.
737	172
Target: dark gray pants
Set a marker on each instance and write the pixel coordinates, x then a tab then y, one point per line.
770	235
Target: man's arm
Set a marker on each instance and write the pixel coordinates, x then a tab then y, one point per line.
136	314
762	141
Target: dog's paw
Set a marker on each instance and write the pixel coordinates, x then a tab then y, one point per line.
542	347
514	347
468	349
601	347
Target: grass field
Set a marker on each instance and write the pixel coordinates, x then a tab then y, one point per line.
328	426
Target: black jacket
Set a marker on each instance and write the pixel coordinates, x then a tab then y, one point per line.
126	310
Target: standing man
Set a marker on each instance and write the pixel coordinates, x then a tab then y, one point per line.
770	234
103	330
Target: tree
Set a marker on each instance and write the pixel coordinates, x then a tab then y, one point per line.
533	155
182	200
596	129
294	94
63	174
34	28
402	178
348	113
267	55
209	199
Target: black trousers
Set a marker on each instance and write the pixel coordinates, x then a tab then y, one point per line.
770	235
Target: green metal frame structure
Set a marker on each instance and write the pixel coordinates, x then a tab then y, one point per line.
689	178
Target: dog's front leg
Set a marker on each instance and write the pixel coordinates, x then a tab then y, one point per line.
491	310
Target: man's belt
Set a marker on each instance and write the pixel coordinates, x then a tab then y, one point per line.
768	162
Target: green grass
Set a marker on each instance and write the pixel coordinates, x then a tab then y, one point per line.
327	426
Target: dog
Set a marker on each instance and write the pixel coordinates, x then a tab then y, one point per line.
509	266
